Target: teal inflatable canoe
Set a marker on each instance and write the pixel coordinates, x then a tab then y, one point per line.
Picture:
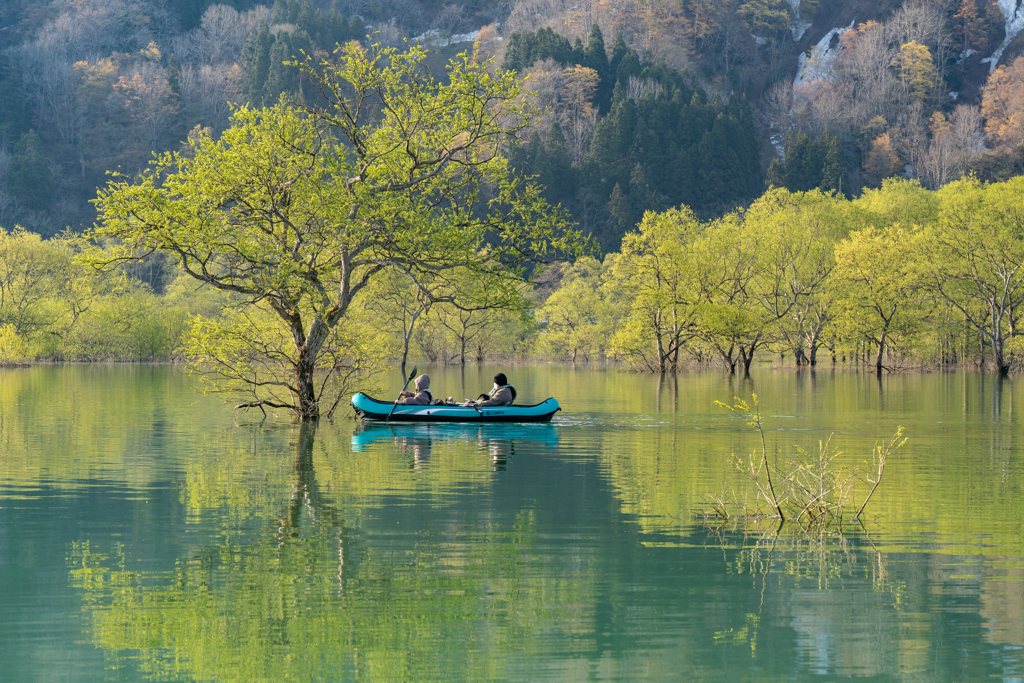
371	409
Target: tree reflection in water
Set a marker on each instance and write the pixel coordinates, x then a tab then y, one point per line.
306	496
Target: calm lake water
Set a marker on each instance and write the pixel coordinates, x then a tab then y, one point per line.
149	532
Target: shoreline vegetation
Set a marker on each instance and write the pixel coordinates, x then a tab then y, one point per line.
901	278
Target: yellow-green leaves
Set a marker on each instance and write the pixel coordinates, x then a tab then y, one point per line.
295	213
915	69
877	289
975	258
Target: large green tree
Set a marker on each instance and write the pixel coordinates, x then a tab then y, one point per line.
876	289
296	212
657	277
976	260
795	234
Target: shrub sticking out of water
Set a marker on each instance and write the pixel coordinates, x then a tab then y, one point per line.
813	489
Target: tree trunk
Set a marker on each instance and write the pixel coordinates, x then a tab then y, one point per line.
308	348
408	337
999	358
309	407
660	347
878	358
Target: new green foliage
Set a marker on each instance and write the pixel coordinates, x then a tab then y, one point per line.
659	285
974	260
295	223
877	289
576	318
52	307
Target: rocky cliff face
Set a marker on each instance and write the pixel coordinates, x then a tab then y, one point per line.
818	40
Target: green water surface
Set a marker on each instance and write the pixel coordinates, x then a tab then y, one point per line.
149	532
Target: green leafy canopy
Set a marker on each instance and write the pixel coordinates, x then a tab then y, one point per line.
295	210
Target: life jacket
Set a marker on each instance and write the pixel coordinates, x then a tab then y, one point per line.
503	386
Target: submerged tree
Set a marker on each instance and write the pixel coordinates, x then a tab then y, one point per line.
975	261
295	222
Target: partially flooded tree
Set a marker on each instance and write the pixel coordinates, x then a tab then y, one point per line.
976	261
294	213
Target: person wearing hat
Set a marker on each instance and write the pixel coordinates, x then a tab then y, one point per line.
502	394
422	397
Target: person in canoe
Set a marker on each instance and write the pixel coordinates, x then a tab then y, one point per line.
502	394
422	395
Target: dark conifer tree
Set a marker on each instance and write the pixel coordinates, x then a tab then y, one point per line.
804	163
692	123
621	129
519	159
29	178
579	53
173	76
256	63
534	152
311	21
660	116
517	51
717	175
561	179
648	149
279	14
619	221
596	57
299	42
628	66
777	174
551	45
641	197
190	12
619	50
686	190
749	158
356	28
833	171
280	78
338	28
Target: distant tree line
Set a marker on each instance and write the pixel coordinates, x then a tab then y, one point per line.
900	277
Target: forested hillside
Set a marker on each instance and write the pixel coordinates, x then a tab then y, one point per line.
647	105
760	177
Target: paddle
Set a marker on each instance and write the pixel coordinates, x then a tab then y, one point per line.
411	375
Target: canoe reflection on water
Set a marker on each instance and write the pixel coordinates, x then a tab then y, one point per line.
418	440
